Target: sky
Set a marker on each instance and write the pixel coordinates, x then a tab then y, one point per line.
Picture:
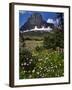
47	16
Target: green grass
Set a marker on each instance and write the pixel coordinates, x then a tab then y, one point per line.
47	63
36	34
31	44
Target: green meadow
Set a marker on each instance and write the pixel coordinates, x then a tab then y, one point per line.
41	55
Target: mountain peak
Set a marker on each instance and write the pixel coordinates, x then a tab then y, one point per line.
35	19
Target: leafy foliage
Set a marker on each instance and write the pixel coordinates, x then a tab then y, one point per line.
39	48
55	39
26	61
39	58
45	65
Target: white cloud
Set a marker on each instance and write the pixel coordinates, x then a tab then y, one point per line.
55	22
50	21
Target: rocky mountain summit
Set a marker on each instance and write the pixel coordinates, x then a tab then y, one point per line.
35	19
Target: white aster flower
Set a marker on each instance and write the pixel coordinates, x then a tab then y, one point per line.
30	76
33	71
46	58
30	59
24	63
29	62
38	73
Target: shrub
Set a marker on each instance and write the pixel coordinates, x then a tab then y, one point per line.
49	42
39	48
43	65
49	66
26	61
22	41
53	40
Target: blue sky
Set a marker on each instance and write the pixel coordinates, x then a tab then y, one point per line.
24	15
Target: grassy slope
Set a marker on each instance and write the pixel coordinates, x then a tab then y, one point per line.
49	64
36	34
31	44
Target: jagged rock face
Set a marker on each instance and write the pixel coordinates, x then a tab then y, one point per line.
34	20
